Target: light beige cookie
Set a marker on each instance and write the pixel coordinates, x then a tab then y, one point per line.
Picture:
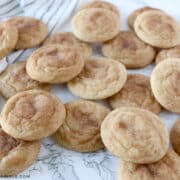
165	84
157	29
136	93
168	168
69	40
81	128
32	115
100	78
132	17
135	135
101	4
175	136
15	79
54	64
31	31
8	38
16	155
168	53
95	25
127	48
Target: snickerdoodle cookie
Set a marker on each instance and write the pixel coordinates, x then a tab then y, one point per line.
16	155
54	64
69	40
175	136
165	84
136	93
136	135
15	79
157	29
81	128
8	38
95	25
168	168
31	115
101	4
31	31
127	48
168	53
100	78
132	17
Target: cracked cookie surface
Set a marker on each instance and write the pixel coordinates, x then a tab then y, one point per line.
81	128
168	53
166	168
69	40
31	31
157	29
95	25
8	38
15	79
132	17
16	155
136	135
175	136
32	115
136	93
165	84
100	78
101	4
127	48
54	64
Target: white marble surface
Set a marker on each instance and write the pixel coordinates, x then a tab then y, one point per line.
56	163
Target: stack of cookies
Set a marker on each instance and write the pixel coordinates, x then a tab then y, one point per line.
133	129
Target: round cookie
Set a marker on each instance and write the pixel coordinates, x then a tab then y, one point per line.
68	39
54	64
168	168
31	31
127	48
168	53
175	136
157	29
101	4
15	79
132	17
95	25
8	38
16	155
135	135
136	93
100	78
165	84
32	115
81	128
